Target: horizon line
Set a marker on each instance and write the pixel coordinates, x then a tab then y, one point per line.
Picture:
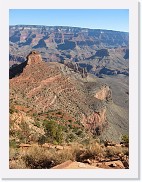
70	26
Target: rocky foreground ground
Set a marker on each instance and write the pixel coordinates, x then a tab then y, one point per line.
73	156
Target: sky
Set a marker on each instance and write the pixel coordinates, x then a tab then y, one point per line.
109	19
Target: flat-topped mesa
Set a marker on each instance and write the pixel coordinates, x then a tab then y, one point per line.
34	57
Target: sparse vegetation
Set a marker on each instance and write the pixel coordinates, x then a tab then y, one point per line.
12	109
50	111
42	140
53	131
37	123
12	144
125	139
37	157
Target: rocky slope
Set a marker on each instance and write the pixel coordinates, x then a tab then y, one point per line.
56	91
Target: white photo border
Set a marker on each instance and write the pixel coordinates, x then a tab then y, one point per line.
133	171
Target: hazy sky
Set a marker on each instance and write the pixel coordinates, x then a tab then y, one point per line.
115	19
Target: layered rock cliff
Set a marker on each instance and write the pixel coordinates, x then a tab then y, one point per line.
101	52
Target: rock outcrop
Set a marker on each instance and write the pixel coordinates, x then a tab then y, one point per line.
45	86
97	121
34	57
77	68
104	93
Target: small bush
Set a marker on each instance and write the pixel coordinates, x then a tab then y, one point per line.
79	132
12	109
12	144
113	151
41	140
25	133
63	155
125	151
59	112
53	131
20	164
39	158
95	149
13	153
15	160
71	137
37	124
34	114
90	152
70	120
125	138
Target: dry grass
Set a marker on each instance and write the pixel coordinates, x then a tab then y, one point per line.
116	151
15	159
18	164
13	153
90	152
40	158
37	157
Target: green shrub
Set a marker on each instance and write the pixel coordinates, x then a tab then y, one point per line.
125	138
34	114
12	109
53	131
70	120
79	132
12	144
41	140
59	112
24	134
37	124
71	137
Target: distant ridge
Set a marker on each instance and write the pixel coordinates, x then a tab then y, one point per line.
62	26
59	43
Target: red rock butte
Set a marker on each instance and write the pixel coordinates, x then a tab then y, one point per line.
34	57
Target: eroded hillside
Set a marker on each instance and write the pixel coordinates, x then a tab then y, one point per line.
56	91
54	105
